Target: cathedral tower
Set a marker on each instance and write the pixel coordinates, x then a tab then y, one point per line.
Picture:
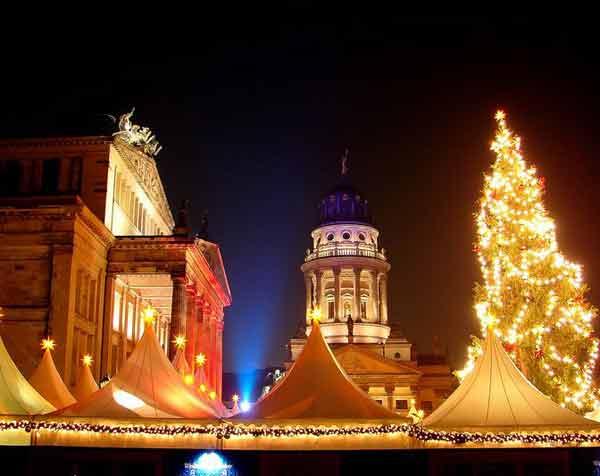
345	272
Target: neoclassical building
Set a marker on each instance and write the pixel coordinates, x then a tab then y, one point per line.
87	241
346	275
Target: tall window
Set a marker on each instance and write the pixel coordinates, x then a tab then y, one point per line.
10	175
117	312
331	309
50	175
363	309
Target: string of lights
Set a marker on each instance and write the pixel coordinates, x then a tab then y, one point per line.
226	430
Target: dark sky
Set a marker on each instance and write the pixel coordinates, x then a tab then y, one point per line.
254	121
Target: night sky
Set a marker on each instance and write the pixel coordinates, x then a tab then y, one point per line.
254	122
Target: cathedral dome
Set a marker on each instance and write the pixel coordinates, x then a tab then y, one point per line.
343	204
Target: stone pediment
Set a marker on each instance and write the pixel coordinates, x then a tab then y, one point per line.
356	360
144	168
212	255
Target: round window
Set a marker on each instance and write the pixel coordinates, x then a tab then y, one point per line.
346	235
361	237
330	237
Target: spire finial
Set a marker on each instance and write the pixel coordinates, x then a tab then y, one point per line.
345	162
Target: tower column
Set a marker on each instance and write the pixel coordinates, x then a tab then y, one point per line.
384	299
337	295
308	284
356	312
374	295
318	288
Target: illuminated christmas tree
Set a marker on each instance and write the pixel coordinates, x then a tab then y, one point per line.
532	294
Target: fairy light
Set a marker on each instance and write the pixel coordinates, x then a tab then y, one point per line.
179	341
48	344
226	430
149	315
188	379
200	359
531	293
87	360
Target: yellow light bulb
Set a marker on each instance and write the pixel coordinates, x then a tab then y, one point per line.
149	315
235	398
316	315
48	344
87	360
189	379
200	359
212	395
179	341
202	388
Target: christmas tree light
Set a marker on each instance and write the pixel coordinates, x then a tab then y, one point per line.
531	294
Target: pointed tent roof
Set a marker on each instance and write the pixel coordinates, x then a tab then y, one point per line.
180	363
86	384
316	386
147	385
48	382
17	395
497	394
357	360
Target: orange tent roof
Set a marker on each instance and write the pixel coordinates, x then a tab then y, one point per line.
316	386
86	384
147	385
17	395
496	394
46	380
180	363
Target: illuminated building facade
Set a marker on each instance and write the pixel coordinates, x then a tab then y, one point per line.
87	241
346	275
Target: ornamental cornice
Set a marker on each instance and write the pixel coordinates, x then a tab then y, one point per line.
361	262
144	168
40	143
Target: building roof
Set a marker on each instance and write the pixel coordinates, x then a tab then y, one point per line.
17	395
147	385
316	386
496	394
46	380
358	360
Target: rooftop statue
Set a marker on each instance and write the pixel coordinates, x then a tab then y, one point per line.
139	137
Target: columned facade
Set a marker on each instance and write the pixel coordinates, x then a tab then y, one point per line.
88	242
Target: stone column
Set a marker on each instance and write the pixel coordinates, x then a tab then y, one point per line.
318	288
384	299
178	312
219	362
61	309
337	295
123	336
374	296
389	393
190	325
356	312
211	352
308	285
109	306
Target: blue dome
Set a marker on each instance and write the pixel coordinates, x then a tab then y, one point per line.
344	203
